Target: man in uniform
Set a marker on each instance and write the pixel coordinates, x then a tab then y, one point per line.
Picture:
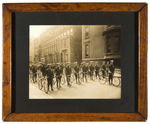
111	69
34	72
91	67
81	71
39	73
97	70
50	76
44	69
68	72
58	72
107	67
85	71
61	69
103	69
76	72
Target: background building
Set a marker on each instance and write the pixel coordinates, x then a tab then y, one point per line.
112	34
37	50
101	43
68	43
60	44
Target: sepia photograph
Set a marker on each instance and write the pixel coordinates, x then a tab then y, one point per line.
74	62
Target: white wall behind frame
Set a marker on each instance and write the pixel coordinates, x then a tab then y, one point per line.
31	1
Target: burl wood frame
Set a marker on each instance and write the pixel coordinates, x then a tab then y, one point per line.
9	8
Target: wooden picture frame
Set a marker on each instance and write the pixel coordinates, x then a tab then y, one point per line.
9	8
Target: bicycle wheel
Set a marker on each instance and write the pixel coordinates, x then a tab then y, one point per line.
81	77
63	80
40	84
102	79
72	78
116	81
46	87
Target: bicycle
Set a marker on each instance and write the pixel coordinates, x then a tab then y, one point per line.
46	85
63	80
81	78
103	78
116	81
117	78
39	80
43	83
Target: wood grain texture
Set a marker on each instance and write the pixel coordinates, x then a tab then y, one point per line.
140	8
6	62
72	7
74	117
142	62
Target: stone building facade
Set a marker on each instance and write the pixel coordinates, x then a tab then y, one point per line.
101	43
61	44
70	43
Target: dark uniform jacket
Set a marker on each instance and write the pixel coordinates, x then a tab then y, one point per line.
34	70
111	68
44	70
91	68
68	70
58	71
85	68
50	74
61	69
97	68
103	67
76	69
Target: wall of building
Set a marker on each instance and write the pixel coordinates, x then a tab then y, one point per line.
94	43
76	45
112	36
61	44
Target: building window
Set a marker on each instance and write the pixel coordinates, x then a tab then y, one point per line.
87	50
86	32
113	43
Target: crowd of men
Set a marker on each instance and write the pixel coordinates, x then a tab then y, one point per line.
81	72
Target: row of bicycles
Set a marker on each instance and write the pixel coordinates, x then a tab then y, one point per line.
43	83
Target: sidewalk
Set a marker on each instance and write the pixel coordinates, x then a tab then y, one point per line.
89	90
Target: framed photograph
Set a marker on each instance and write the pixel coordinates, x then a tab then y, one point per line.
74	62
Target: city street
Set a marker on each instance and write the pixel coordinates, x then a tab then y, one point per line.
71	49
88	90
